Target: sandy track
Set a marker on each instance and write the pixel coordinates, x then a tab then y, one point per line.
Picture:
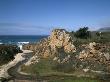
18	58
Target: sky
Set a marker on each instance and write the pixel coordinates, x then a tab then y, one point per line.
39	17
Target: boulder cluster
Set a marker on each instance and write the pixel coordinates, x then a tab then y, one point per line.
96	56
95	52
60	38
58	43
60	46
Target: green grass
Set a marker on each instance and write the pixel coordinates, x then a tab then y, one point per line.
42	67
67	79
48	67
45	66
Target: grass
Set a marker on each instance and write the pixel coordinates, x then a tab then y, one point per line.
42	67
48	67
70	79
45	66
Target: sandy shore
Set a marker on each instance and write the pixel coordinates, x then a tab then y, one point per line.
18	57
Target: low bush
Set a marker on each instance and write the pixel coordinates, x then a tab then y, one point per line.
7	53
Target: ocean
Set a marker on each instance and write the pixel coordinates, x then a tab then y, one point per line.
20	39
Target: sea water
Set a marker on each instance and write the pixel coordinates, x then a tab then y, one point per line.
20	39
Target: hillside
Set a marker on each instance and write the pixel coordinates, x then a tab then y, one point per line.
104	29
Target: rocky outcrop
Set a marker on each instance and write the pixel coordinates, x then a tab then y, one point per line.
96	56
61	38
52	46
60	47
96	51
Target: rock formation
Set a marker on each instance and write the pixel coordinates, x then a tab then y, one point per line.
61	38
96	51
60	47
96	56
52	46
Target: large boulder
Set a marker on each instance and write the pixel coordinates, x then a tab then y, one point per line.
59	43
61	38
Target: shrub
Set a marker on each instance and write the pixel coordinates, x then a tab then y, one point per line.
83	33
7	53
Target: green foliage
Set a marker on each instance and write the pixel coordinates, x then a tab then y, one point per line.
73	79
83	33
7	53
83	36
43	66
48	66
102	37
3	79
66	67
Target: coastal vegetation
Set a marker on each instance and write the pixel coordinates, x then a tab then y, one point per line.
47	68
66	55
83	33
74	79
80	53
7	53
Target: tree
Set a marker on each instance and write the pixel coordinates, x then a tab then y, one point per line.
83	33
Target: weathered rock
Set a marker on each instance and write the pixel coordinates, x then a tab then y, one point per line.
96	56
107	56
61	38
70	48
32	60
59	46
59	43
94	50
47	53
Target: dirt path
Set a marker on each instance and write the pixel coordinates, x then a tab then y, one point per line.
18	58
13	71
